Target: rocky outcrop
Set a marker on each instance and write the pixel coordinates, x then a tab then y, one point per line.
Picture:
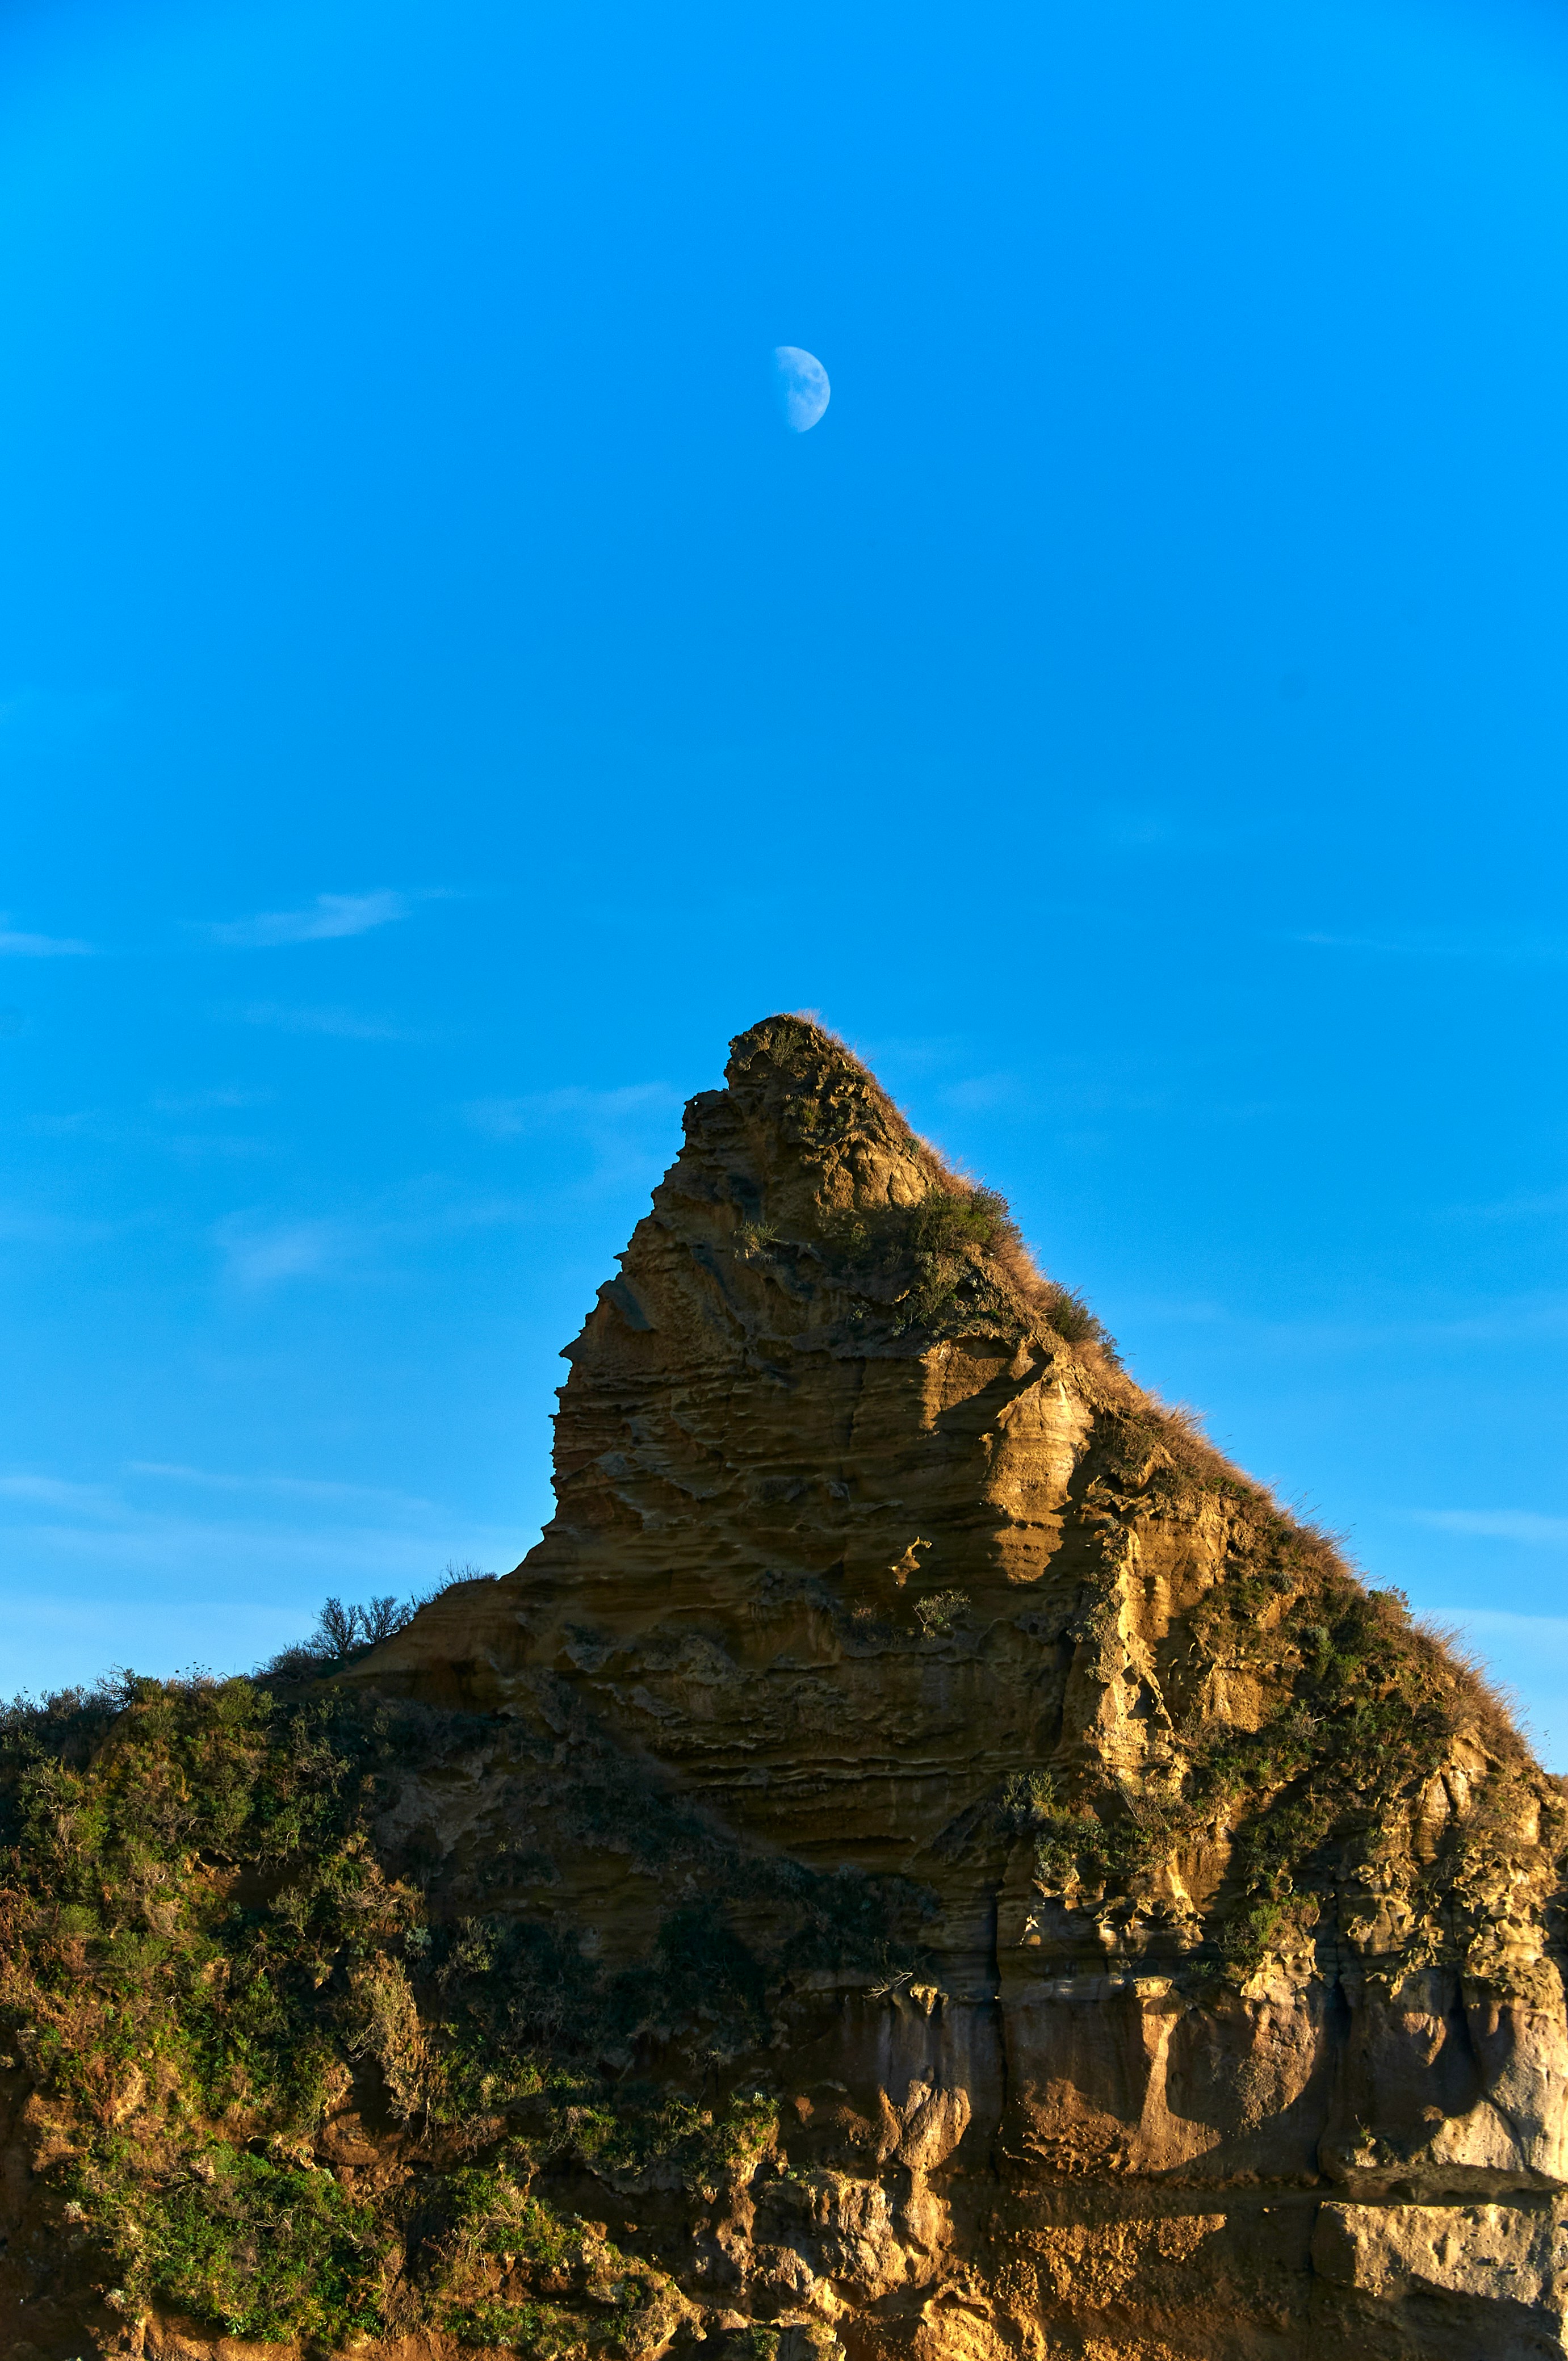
1212	2001
924	1859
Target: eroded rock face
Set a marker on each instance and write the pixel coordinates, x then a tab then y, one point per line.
1120	1933
1218	2006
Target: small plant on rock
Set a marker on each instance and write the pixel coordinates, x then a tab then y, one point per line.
937	1615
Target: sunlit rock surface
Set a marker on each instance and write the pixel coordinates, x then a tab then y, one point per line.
1220	2008
1112	1929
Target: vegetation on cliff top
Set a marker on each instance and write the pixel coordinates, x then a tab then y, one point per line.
205	1954
954	1259
1357	1714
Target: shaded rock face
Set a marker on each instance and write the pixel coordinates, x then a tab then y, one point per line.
1151	1938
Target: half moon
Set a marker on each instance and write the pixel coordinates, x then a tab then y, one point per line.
803	384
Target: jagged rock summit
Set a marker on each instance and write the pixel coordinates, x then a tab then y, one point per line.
1152	1939
925	1862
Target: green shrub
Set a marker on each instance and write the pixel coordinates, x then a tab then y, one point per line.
1028	1798
932	1261
1245	1938
1067	1314
269	2250
937	1614
489	2213
945	1221
200	1939
547	2332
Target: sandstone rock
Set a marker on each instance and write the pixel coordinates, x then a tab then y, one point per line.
1189	1930
1149	1940
1511	2261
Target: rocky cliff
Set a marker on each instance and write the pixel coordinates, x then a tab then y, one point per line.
923	1858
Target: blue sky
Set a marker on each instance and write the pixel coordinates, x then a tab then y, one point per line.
440	703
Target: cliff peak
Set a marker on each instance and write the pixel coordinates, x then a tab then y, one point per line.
922	1857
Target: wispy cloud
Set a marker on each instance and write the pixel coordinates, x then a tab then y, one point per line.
1498	1524
1544	1637
211	1101
341	1024
1133	830
55	1492
596	1110
98	1501
1506	948
81	1123
259	1254
94	1576
282	1488
1503	1320
1529	1206
197	1144
16	945
111	1131
501	1118
978	1092
911	1053
261	1250
624	1128
326	919
22	1225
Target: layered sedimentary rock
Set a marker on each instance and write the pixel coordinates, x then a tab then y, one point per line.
925	1859
1150	1939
